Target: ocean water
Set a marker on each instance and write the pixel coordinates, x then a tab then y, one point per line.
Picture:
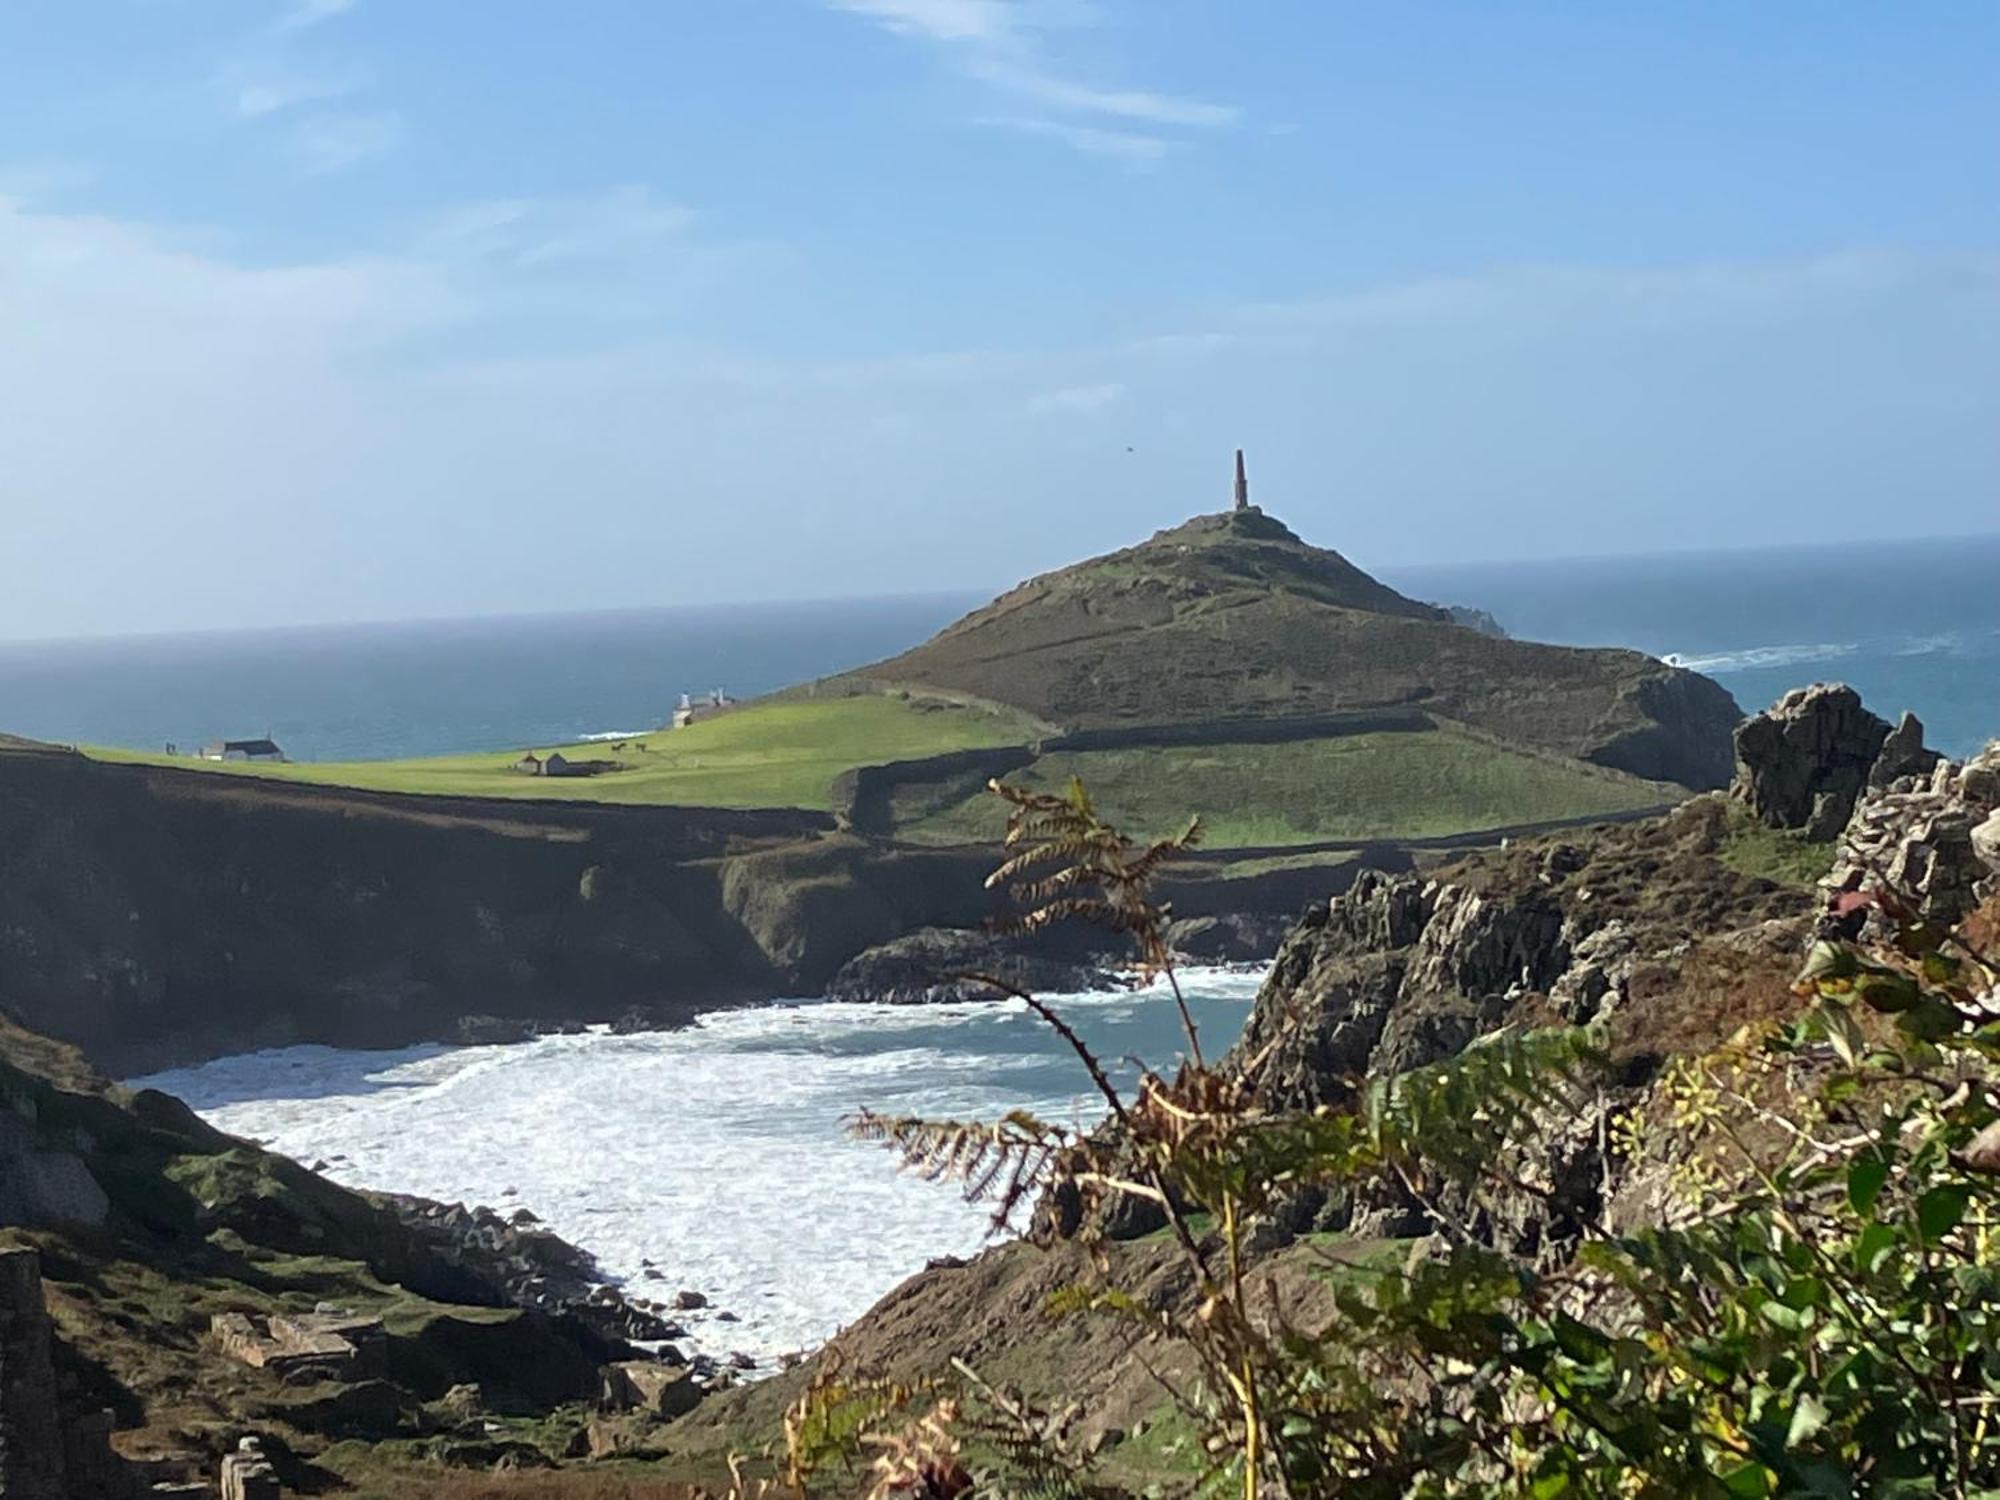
382	692
715	1152
1913	625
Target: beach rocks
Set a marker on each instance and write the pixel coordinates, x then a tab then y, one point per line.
1805	761
661	1390
1233	938
931	966
491	1031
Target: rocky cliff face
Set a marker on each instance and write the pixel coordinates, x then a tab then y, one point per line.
1804	762
155	917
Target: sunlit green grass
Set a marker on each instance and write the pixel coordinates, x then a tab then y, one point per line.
782	754
1359	786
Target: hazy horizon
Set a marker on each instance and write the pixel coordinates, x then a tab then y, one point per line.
973	596
328	311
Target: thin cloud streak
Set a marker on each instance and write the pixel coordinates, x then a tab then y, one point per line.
1000	43
1127	146
336	142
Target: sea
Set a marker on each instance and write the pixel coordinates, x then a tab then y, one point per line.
1913	625
713	1159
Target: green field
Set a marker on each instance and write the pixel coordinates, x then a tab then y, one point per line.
1360	786
781	754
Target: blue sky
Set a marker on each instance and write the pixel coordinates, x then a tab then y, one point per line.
341	309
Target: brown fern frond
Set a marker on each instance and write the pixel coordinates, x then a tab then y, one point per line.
1005	1162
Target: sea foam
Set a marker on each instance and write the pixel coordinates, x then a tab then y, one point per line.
711	1158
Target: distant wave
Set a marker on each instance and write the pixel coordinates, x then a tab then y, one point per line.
1753	658
614	734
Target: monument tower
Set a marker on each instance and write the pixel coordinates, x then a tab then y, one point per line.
1242	484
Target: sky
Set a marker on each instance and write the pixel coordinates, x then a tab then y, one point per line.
329	310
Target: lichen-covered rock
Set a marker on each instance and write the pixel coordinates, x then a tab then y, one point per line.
1803	762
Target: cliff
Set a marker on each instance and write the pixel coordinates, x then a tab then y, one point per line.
155	916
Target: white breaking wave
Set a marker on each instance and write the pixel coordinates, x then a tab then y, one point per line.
710	1158
1755	657
614	734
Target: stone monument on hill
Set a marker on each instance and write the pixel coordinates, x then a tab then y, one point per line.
1242	484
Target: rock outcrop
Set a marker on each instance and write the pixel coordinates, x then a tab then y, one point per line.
933	966
1932	836
1804	762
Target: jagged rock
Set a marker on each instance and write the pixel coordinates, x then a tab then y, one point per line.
650	1386
492	1031
1979	780
1986	842
1599	969
1904	754
1803	762
1929	840
1238	937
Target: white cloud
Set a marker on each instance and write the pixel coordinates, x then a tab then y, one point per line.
277	90
939	20
1128	104
1003	43
1077	400
334	142
309	13
1122	145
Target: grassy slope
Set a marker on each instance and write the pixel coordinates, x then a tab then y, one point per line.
1359	786
783	754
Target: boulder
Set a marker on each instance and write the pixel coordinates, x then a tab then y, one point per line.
1233	938
645	1385
493	1031
1805	761
929	967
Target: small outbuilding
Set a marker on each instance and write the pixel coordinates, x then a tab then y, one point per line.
265	749
693	710
529	764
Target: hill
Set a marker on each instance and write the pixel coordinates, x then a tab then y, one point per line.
1232	617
